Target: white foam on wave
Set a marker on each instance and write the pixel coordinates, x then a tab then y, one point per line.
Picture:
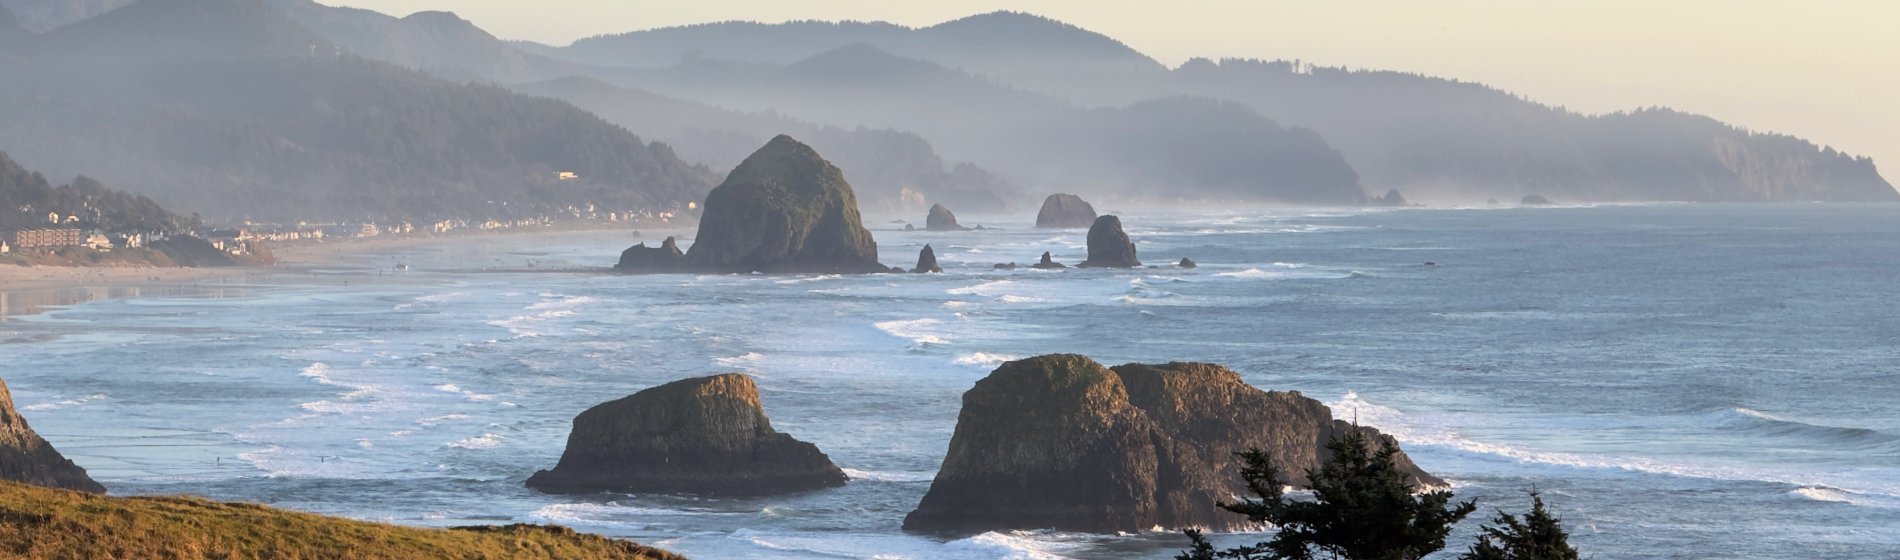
429	299
914	330
743	360
1416	431
1014	545
987	289
1019	299
890	476
484	441
467	394
1253	274
81	401
808	279
983	359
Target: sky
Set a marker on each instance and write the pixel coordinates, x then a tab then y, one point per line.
1825	70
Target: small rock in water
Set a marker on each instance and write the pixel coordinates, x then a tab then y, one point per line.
1048	262
927	261
1187	263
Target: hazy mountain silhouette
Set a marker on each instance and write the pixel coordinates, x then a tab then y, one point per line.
1143	150
890	170
440	43
43	15
229	108
1438	140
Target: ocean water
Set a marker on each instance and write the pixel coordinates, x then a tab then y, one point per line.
1680	381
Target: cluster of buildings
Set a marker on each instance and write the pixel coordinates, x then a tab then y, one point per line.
58	237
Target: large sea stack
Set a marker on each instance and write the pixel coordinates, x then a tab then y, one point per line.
1052	442
26	457
784	209
927	261
1060	442
705	436
941	219
1065	211
1109	246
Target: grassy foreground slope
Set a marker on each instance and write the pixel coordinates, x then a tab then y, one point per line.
46	523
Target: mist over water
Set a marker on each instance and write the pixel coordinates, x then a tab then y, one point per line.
1704	381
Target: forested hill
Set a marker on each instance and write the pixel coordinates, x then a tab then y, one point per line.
228	108
26	199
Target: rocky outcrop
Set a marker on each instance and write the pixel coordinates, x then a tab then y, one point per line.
927	261
941	219
667	257
706	436
784	209
1393	198
1048	262
1211	408
1060	442
1065	211
1534	200
1053	442
1187	263
1109	246
26	457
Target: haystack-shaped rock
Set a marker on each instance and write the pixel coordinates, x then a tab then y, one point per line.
1065	211
1186	263
1210	408
1109	246
1052	442
706	435
1060	442
784	209
1048	262
927	261
941	219
26	457
666	257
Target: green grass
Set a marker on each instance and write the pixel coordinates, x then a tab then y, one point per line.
47	523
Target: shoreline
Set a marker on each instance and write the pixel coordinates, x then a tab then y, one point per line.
29	290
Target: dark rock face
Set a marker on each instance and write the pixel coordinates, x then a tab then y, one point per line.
1048	262
1060	442
1004	266
1187	263
927	261
25	457
941	219
1210	407
666	257
1534	200
784	209
1065	211
1109	246
1052	442
706	435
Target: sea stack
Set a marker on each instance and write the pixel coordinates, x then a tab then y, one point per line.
1052	442
941	219
666	257
784	209
1187	263
927	261
1392	198
1060	442
1065	211
25	457
1534	200
704	436
1048	262
1109	246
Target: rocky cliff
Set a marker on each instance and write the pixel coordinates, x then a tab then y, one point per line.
1060	442
25	457
706	435
1065	211
1109	246
784	209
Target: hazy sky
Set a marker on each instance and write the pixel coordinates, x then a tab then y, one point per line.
1827	70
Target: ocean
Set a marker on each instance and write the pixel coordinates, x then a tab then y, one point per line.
1679	381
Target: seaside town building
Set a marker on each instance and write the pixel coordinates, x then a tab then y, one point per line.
46	237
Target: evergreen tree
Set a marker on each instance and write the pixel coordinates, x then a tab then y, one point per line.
1363	509
1537	536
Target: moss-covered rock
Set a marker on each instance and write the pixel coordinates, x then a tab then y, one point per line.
706	435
